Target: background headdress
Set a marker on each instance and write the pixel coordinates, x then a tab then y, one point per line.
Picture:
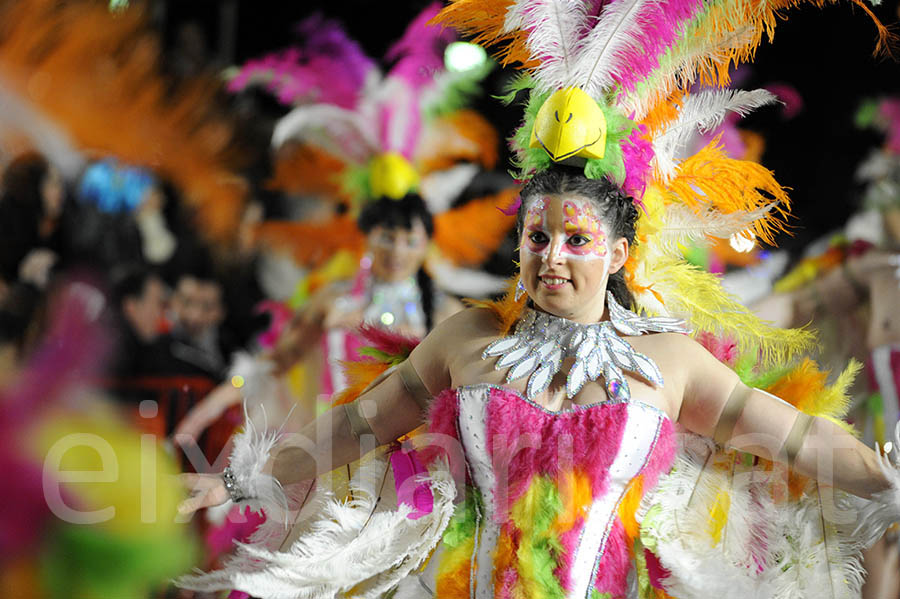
610	90
383	135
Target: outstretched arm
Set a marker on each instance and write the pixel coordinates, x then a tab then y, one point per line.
716	404
391	408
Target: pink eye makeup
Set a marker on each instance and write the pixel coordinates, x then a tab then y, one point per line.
581	225
569	227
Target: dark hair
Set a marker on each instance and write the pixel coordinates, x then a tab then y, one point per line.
396	214
21	184
130	282
616	209
401	214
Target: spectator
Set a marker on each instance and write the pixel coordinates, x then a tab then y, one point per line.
197	341
32	200
139	300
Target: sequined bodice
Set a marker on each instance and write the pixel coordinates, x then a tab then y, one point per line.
550	488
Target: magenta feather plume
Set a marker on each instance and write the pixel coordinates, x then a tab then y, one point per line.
392	344
513	207
890	111
637	155
723	348
419	54
328	67
661	25
72	352
789	96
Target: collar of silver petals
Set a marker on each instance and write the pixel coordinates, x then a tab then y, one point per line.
542	341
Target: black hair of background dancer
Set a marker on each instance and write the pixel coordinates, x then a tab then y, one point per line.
615	207
21	186
401	214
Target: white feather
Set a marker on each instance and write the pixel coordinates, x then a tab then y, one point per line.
463	281
336	130
346	545
249	455
703	112
601	49
554	28
683	225
883	510
785	549
439	189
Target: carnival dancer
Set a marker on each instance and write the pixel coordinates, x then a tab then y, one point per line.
555	409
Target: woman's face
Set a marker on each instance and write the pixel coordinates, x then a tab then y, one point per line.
566	256
52	193
397	253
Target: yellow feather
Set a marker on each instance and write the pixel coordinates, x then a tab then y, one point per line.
697	296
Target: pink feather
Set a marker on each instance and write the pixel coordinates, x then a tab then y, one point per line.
637	154
391	343
724	348
419	54
328	68
660	26
890	111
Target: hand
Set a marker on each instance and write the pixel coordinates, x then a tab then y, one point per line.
206	490
208	410
35	267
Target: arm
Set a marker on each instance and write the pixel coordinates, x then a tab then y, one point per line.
388	410
716	404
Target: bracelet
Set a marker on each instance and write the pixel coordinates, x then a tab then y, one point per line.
413	384
794	442
734	406
231	485
359	426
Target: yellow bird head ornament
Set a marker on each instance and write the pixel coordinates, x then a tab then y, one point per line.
568	124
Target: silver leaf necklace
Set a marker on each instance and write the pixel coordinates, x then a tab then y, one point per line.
541	341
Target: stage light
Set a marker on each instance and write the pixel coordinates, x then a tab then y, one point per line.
463	56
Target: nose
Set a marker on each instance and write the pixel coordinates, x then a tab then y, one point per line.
554	251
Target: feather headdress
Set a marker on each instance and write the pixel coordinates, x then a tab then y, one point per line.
612	88
406	130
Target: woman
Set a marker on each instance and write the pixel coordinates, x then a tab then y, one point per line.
31	207
542	419
391	290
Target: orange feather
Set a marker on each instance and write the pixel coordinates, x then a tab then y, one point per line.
461	136
471	233
97	77
484	20
507	310
304	169
312	244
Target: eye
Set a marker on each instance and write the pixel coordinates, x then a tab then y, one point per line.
538	237
578	240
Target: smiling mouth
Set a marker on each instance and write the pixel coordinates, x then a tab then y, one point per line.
552	281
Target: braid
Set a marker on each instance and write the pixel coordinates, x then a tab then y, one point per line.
426	288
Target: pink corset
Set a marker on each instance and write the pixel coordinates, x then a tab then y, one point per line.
552	495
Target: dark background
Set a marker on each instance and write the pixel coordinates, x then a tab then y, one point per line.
826	54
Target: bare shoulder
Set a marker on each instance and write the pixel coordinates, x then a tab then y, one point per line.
466	325
452	342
